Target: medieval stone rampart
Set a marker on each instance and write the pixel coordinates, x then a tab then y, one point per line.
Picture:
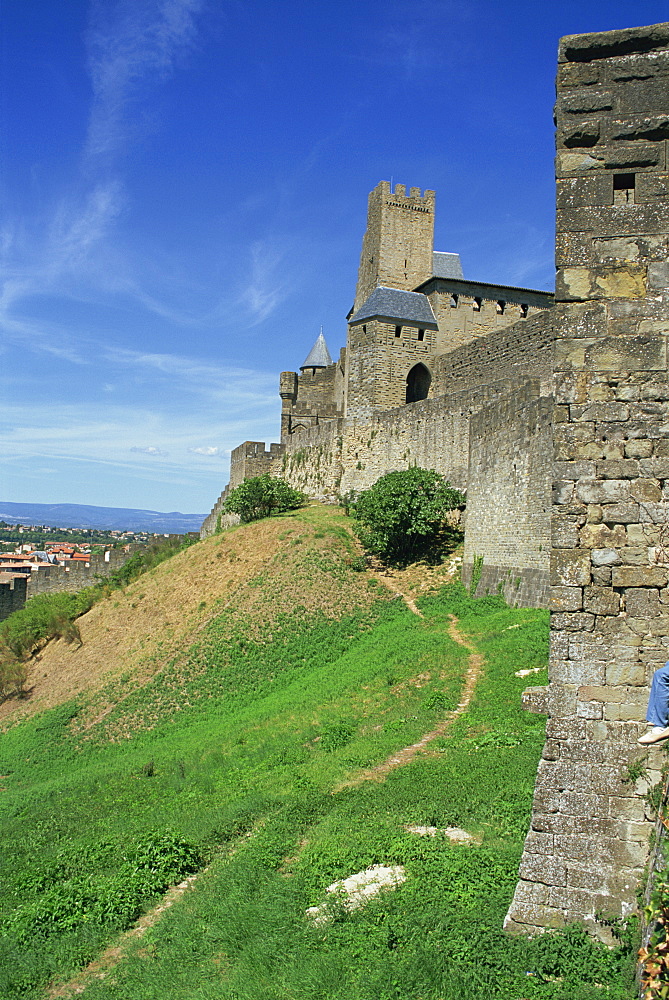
520	351
76	576
251	459
12	594
247	460
312	461
56	578
457	377
508	537
469	310
398	242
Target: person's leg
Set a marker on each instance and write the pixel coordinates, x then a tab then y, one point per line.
658	708
658	702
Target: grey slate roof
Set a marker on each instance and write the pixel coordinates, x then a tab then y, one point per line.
319	356
446	265
393	303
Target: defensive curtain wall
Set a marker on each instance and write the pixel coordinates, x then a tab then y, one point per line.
486	384
49	578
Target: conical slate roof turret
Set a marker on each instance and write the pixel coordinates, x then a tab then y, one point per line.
319	356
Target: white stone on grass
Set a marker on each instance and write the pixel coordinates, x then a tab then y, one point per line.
454	833
355	890
530	670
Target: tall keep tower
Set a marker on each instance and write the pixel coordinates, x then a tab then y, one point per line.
398	242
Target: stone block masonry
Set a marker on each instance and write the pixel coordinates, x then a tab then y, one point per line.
588	842
522	350
510	448
350	454
312	462
398	242
12	594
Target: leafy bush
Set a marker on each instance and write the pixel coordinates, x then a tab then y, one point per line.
262	496
13	672
402	516
114	897
44	616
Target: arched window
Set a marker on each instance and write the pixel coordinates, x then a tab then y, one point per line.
418	383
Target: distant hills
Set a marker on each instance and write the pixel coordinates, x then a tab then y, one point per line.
75	515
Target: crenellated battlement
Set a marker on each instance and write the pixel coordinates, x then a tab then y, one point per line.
399	197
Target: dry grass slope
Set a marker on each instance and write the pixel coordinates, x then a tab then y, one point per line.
258	571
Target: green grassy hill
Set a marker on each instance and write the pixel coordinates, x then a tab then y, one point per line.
227	718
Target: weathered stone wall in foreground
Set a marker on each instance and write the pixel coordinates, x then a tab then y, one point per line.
588	842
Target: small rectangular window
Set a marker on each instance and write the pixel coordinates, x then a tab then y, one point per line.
524	309
477	305
364	328
500	307
421	334
623	189
398	331
454	301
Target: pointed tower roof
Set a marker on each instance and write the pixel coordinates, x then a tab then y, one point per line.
319	356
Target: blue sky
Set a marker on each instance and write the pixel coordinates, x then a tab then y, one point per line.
183	189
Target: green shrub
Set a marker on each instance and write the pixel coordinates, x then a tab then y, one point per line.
113	897
262	496
44	616
402	516
13	672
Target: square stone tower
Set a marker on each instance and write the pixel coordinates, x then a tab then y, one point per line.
588	841
398	242
392	329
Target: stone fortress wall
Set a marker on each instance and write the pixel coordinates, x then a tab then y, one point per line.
12	594
507	394
56	578
508	502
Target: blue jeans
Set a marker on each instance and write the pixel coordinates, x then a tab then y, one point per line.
658	702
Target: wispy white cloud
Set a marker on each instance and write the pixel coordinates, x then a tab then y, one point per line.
267	286
407	40
77	228
151	450
207	450
62	432
131	43
40	337
132	46
231	383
